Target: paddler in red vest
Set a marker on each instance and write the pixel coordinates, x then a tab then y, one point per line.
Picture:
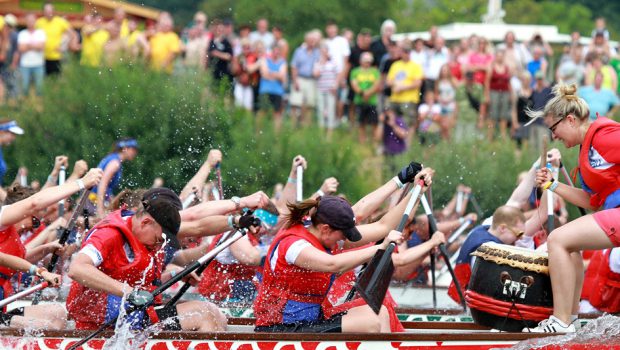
15	257
123	255
568	118
601	291
299	267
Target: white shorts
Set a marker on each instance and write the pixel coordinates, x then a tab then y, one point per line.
306	95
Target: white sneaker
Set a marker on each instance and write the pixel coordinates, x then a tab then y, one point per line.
551	325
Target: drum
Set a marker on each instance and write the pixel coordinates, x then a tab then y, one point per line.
509	287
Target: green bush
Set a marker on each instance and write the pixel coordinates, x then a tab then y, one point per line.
176	123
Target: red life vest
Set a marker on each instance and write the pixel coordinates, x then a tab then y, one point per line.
602	182
10	244
602	284
81	298
217	278
462	272
288	282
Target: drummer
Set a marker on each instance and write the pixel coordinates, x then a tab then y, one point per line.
567	117
508	225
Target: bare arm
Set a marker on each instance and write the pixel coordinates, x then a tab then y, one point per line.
370	202
28	207
415	253
245	252
108	174
222	207
316	260
199	179
22	265
52	179
84	272
378	230
207	226
290	189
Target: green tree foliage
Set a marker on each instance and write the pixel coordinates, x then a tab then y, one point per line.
182	10
297	16
568	17
420	15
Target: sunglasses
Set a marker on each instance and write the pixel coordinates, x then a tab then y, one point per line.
518	234
555	125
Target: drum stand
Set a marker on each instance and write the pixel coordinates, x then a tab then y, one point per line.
513	293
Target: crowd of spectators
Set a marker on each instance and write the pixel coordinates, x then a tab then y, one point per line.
391	92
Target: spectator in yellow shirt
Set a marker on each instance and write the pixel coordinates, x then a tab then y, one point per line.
120	20
94	37
137	43
55	28
165	44
405	78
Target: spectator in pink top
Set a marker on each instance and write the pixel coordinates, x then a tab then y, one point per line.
478	64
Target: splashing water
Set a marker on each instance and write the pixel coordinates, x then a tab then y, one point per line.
604	330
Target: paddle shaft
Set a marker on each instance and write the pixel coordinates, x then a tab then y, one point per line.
205	259
218	176
23	293
62	175
442	249
300	183
458	232
474	202
199	271
582	211
432	254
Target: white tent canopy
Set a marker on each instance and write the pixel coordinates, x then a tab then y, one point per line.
496	32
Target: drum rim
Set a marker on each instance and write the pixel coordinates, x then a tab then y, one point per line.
531	261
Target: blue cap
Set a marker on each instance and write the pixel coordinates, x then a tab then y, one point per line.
132	143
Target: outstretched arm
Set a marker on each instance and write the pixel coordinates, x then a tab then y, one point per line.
199	179
12	214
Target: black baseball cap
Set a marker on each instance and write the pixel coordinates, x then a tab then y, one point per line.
337	213
164	205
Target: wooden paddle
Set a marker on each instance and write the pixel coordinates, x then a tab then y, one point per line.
373	284
582	211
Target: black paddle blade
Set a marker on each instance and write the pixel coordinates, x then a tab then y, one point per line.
373	284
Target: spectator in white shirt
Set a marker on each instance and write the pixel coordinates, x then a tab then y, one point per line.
31	43
263	34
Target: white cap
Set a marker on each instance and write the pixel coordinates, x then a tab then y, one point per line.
12	127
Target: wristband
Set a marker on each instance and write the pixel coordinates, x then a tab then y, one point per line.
51	179
33	269
320	193
231	222
173	273
398	183
291	180
548	184
80	184
554	185
461	220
